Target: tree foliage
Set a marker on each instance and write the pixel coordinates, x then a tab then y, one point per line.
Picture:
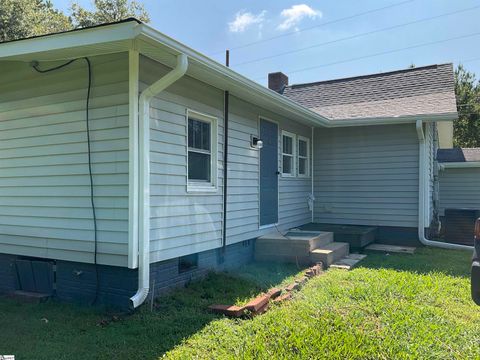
26	18
466	130
107	11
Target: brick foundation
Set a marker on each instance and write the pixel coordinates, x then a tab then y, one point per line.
76	282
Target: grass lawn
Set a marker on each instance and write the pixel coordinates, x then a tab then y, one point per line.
392	307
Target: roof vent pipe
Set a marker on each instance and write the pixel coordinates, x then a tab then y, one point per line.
422	189
144	176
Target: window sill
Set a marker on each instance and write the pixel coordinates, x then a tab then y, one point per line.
288	175
201	189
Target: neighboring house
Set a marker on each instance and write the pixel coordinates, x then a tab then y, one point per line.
459	188
162	120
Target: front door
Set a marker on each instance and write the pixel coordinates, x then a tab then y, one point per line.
268	173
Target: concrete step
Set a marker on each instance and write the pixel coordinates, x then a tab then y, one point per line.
330	253
294	246
348	262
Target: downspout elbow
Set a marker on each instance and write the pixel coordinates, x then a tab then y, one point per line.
144	192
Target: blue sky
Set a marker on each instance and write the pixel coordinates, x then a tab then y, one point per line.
211	26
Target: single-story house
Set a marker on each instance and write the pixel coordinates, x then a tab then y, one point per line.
131	163
459	192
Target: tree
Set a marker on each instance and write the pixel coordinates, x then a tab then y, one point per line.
107	11
466	130
26	18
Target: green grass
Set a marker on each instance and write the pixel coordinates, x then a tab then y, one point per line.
393	307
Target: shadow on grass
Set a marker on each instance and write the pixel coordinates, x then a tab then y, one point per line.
425	260
76	333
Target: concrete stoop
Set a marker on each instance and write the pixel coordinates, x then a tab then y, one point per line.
303	248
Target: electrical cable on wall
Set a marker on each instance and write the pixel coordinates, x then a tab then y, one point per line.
35	65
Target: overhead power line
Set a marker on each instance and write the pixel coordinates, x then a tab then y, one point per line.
316	26
357	35
379	53
469	60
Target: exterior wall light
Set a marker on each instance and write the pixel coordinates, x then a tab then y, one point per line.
256	143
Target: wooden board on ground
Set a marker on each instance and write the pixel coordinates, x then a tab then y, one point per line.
391	248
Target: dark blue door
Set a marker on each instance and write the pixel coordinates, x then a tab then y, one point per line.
268	173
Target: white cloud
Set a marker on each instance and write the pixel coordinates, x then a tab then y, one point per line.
292	16
245	19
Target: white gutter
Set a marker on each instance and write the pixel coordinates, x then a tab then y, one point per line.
114	38
312	196
459	165
146	32
407	119
422	190
144	175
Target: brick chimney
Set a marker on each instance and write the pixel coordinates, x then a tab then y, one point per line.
277	81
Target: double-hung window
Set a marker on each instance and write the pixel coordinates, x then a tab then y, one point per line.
303	156
202	154
288	154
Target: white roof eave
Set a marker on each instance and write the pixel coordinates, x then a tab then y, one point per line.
393	119
264	96
122	37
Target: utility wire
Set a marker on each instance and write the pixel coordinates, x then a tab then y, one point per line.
358	35
316	26
379	54
35	65
469	60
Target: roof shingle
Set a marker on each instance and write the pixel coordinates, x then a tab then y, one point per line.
458	155
417	91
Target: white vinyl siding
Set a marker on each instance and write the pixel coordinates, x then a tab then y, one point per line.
45	206
366	175
243	175
181	222
184	222
459	189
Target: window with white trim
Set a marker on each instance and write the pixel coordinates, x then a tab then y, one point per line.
202	154
303	156
288	154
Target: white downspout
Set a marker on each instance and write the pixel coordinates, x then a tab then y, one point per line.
144	176
312	195
421	197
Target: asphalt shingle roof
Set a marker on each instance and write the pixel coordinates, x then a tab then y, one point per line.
458	155
423	90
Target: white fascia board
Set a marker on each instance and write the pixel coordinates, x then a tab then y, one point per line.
69	39
146	32
393	120
459	165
